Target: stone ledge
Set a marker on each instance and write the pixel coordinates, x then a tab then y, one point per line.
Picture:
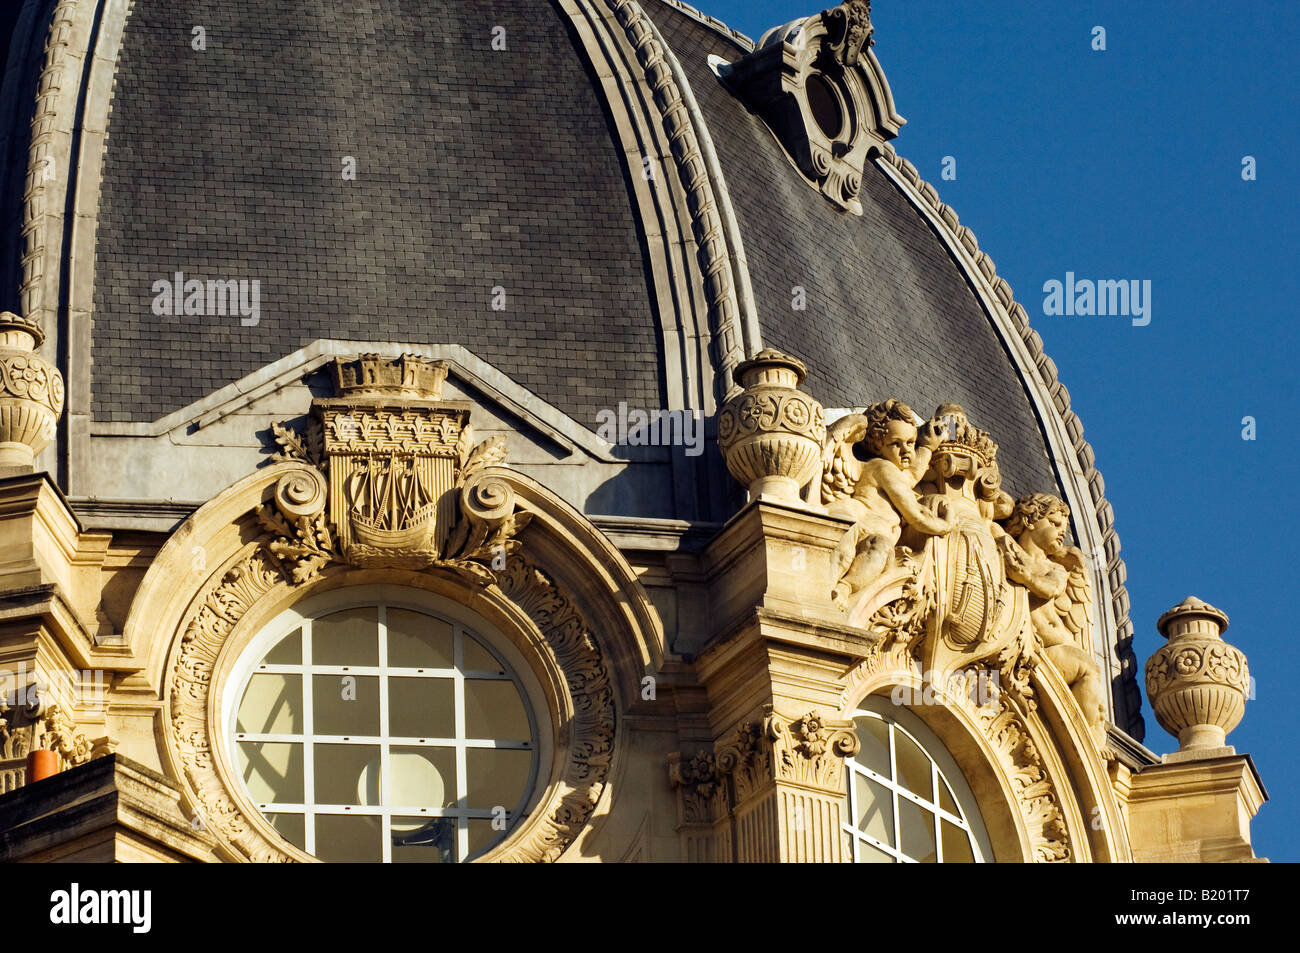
109	810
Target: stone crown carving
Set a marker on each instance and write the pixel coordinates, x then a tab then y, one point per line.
1197	683
372	375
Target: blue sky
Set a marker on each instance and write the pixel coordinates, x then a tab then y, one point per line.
1127	163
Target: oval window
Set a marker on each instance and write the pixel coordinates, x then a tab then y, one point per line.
385	734
824	102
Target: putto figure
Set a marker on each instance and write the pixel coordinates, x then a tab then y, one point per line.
878	493
1060	596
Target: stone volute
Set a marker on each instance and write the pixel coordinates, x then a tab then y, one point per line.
772	433
31	395
1197	683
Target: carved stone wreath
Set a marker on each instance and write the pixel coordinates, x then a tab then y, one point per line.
573	650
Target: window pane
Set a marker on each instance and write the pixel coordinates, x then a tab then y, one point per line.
874	735
497	777
418	641
288	651
345	705
494	710
875	809
475	658
424	840
421	777
291	827
946	800
956	845
867	854
482	836
348	838
421	708
913	766
350	637
916	828
272	704
272	770
347	774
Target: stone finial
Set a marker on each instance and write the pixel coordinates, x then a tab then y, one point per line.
1197	683
31	394
771	433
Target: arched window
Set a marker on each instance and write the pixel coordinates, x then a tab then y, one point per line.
382	732
907	801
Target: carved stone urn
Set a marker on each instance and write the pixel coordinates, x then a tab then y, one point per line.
772	433
1197	683
31	394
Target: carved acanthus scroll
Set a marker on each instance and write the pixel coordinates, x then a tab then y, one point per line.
391	478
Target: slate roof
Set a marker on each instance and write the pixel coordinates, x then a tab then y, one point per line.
475	168
478	168
888	313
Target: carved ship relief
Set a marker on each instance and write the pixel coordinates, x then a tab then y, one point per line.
390	506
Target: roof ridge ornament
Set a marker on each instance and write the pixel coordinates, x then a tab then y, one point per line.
853	20
819	88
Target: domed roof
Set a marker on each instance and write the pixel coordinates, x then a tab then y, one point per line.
481	173
570	191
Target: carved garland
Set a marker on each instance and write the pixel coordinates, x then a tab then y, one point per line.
574	650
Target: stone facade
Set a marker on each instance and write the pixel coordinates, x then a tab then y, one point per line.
712	648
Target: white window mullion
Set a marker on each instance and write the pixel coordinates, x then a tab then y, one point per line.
462	782
308	752
934	797
893	791
386	827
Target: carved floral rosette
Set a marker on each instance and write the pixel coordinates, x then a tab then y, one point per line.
1197	682
771	434
700	787
568	645
31	393
808	751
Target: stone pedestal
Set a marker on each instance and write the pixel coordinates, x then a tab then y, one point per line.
773	786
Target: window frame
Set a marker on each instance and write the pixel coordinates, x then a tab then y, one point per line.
383	598
942	769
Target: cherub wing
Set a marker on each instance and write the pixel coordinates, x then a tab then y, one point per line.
839	466
1075	604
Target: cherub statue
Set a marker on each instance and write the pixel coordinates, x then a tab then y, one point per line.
877	493
1060	596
